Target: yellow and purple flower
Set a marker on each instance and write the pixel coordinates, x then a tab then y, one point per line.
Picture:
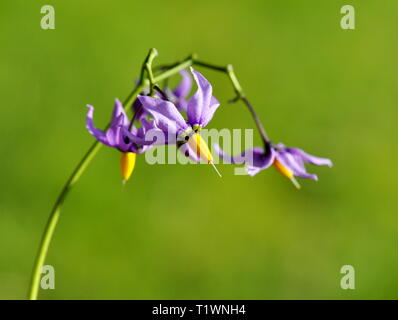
121	135
290	162
200	109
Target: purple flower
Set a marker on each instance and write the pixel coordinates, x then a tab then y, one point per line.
121	135
200	109
288	161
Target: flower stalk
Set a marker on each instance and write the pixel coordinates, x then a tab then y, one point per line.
82	166
152	77
240	95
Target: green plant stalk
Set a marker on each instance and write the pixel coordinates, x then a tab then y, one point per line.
92	151
240	95
78	171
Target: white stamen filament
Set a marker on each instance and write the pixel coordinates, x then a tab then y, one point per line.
295	182
215	168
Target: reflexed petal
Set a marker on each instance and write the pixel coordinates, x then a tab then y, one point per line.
138	108
255	159
184	87
208	115
98	134
121	142
305	157
148	125
118	113
126	138
260	159
200	102
167	118
152	135
113	133
180	102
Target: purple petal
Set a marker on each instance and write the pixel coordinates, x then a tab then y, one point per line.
305	157
147	125
209	113
260	159
200	102
182	105
121	142
291	163
126	138
167	118
98	134
255	159
184	87
117	112
113	133
180	102
151	133
138	108
138	149
138	136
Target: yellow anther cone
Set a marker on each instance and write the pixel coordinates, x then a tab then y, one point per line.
283	170
199	146
286	172
127	163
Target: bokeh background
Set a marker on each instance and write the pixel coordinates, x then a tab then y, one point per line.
179	231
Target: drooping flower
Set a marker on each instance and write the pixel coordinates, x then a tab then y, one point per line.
200	110
290	162
121	135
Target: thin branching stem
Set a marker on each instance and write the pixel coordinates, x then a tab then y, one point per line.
240	95
81	167
160	74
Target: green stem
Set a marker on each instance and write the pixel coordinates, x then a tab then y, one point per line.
78	171
148	67
239	96
163	74
53	219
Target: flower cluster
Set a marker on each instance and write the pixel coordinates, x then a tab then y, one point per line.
161	113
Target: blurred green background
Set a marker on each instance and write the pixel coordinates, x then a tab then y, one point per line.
180	232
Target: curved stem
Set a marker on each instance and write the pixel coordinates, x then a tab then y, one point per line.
78	171
148	67
239	96
55	212
163	74
53	219
263	134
